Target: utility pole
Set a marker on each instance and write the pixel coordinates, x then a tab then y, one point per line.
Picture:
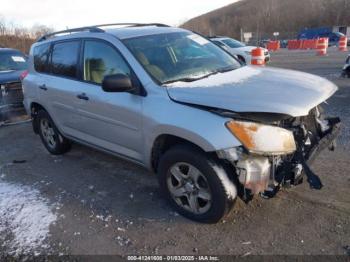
257	34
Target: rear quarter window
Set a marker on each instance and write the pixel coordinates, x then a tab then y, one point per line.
64	61
41	55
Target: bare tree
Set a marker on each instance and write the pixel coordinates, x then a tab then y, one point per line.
19	37
40	30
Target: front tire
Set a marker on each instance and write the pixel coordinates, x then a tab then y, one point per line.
190	181
52	139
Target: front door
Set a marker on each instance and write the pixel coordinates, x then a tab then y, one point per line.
112	121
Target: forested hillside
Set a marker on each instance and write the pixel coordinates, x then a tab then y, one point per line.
268	16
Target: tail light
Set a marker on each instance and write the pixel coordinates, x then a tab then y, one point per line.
23	75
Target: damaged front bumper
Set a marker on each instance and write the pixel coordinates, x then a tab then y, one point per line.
266	174
11	99
327	141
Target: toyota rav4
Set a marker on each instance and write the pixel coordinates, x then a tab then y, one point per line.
172	101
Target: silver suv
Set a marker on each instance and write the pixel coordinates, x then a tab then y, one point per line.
174	102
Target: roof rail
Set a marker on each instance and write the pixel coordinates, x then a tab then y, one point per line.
132	24
97	29
73	30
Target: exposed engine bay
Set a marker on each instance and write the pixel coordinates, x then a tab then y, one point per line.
266	174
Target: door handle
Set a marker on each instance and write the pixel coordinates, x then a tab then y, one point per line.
43	87
83	96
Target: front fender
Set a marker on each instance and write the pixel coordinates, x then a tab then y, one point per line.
200	127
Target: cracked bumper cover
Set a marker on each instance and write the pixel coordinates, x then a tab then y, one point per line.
327	140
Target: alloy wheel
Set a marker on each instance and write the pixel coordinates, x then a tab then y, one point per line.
189	188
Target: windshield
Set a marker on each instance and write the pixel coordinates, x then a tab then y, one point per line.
180	56
12	61
233	43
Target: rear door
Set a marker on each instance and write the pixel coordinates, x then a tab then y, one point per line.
34	83
109	120
62	84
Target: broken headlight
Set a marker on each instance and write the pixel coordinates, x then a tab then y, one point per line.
263	139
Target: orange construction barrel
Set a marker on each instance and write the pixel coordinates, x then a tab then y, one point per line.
322	44
258	57
343	41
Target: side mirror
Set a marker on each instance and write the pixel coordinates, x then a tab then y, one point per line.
117	83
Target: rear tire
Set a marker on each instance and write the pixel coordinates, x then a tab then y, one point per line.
190	181
52	139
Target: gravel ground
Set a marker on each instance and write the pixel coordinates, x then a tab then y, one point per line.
99	204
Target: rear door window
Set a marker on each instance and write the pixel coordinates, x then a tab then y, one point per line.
41	55
64	61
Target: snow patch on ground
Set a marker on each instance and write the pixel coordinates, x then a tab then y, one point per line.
25	218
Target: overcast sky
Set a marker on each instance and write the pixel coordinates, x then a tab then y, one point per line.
72	13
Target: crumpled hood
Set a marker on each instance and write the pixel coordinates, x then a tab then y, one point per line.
10	76
256	89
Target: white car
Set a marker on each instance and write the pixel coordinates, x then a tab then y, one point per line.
238	49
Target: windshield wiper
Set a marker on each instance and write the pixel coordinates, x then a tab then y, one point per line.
192	79
185	79
226	69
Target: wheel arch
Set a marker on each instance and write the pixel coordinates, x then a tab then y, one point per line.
164	142
34	109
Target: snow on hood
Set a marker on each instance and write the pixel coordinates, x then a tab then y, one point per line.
25	216
256	89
